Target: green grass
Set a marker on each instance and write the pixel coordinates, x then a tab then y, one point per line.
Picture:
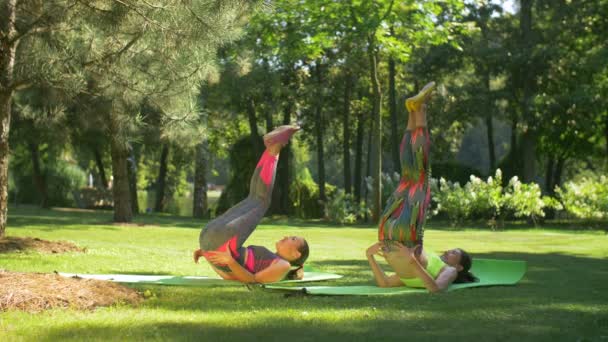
563	296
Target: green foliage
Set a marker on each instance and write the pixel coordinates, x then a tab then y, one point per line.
304	194
524	200
63	179
453	171
587	198
450	200
342	208
243	159
94	198
488	200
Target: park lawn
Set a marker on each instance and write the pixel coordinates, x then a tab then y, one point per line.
564	295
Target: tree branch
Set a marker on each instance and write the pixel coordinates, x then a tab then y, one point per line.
141	14
388	11
118	53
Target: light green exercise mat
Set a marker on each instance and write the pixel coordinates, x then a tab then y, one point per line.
189	280
489	271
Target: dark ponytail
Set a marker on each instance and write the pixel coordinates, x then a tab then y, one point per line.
464	276
298	273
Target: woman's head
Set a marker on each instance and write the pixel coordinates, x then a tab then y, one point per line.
293	249
462	262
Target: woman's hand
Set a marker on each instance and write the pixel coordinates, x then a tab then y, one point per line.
220	258
408	253
197	255
377	248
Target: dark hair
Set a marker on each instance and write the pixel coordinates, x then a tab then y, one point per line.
464	276
298	272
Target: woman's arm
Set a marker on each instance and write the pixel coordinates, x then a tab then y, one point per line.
381	279
225	258
446	277
275	272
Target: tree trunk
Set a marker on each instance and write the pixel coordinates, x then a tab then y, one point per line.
5	119
319	131
368	166
132	174
199	204
376	171
559	168
606	134
268	95
120	184
284	205
549	175
527	77
7	62
358	158
253	126
513	153
161	181
39	178
489	124
392	102
100	169
528	143
346	134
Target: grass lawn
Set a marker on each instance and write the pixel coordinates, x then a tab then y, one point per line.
564	295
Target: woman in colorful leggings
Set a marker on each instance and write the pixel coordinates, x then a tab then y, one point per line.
222	240
400	230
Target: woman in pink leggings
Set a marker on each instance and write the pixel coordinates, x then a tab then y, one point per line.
221	241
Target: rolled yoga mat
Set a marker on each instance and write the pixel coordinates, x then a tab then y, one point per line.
189	280
490	272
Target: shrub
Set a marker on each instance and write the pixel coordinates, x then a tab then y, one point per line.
524	200
94	198
587	199
450	199
304	193
63	180
486	198
342	208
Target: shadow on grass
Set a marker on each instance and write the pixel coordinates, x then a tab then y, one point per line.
28	216
562	297
551	278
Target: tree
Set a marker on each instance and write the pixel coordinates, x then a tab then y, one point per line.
32	50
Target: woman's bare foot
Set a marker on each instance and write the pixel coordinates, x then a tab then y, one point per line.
414	104
280	136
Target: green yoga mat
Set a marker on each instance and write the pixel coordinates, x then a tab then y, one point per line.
489	271
189	280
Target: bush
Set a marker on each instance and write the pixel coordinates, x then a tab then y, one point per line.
587	199
524	200
451	200
94	198
488	200
63	180
342	208
304	194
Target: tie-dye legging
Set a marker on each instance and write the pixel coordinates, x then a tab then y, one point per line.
232	228
405	211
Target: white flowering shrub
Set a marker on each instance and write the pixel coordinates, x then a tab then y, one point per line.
486	198
524	200
450	199
587	199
